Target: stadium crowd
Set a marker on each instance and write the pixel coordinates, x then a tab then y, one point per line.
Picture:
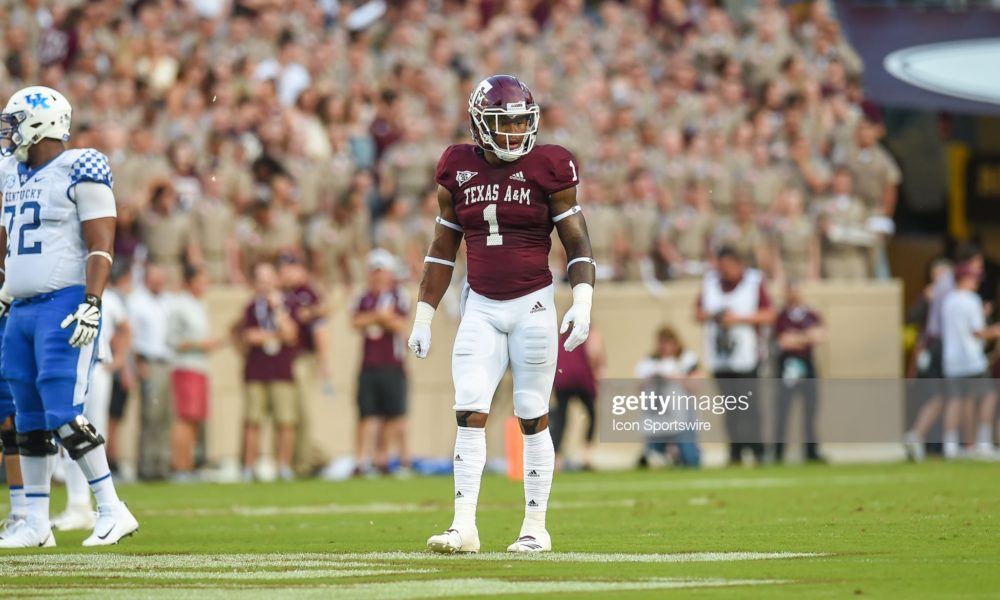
244	131
239	130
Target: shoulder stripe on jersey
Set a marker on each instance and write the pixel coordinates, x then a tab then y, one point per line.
568	213
449	225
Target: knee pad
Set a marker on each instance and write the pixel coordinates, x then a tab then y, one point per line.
8	440
79	437
36	443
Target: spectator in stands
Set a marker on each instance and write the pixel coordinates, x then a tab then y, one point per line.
795	247
963	332
189	336
268	336
167	233
684	237
846	240
148	308
876	176
577	376
380	315
671	369
733	306
797	330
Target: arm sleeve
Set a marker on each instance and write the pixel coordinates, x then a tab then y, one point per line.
444	175
93	200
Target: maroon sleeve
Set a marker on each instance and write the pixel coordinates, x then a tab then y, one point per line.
782	324
763	300
816	320
359	304
249	319
559	169
445	173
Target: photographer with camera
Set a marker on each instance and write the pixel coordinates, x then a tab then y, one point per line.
733	306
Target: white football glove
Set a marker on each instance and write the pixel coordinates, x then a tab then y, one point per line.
420	337
5	302
88	319
579	316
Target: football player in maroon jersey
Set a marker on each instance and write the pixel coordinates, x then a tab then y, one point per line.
504	194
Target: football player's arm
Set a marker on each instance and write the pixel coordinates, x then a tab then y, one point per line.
95	206
438	267
580	265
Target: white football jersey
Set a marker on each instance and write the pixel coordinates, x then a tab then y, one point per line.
45	248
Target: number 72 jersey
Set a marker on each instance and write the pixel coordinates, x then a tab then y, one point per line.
504	211
45	247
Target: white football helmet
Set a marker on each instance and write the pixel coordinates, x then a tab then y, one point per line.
32	114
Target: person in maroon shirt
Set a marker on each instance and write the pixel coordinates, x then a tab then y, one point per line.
312	360
380	315
577	374
797	330
504	195
268	335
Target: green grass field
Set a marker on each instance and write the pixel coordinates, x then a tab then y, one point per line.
899	531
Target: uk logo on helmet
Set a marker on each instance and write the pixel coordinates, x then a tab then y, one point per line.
37	101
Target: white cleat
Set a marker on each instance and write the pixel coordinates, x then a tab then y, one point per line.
76	516
538	541
9	524
914	447
452	541
113	524
24	535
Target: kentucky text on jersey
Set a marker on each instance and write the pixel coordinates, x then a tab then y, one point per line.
491	193
22	195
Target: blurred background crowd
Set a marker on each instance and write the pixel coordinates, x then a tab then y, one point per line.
303	134
242	129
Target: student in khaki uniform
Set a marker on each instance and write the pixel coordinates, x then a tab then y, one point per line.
683	240
846	240
764	179
213	222
795	244
266	234
167	233
742	235
876	177
334	245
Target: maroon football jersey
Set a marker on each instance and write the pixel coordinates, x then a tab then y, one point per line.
504	210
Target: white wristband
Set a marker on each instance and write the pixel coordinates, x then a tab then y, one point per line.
424	314
583	293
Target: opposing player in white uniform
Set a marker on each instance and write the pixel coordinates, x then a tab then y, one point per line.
58	226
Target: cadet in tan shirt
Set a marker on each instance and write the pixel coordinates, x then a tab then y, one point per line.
266	234
167	233
846	240
683	239
795	241
213	224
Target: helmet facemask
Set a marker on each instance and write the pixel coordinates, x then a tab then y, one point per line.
509	133
11	138
31	115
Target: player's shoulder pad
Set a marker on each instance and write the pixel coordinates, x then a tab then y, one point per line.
90	165
559	169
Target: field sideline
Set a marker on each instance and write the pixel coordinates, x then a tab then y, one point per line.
908	531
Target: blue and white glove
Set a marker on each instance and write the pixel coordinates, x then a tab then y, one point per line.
88	320
5	301
420	337
579	316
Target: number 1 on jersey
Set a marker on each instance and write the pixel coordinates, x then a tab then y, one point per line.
490	214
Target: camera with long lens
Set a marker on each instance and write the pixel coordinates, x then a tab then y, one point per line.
724	342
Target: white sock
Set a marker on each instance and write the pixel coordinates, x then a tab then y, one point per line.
539	463
36	471
94	465
18	503
951	447
984	435
470	460
77	491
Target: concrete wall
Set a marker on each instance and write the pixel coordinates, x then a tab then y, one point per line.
864	321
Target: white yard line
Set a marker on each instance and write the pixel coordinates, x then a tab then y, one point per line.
400	590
